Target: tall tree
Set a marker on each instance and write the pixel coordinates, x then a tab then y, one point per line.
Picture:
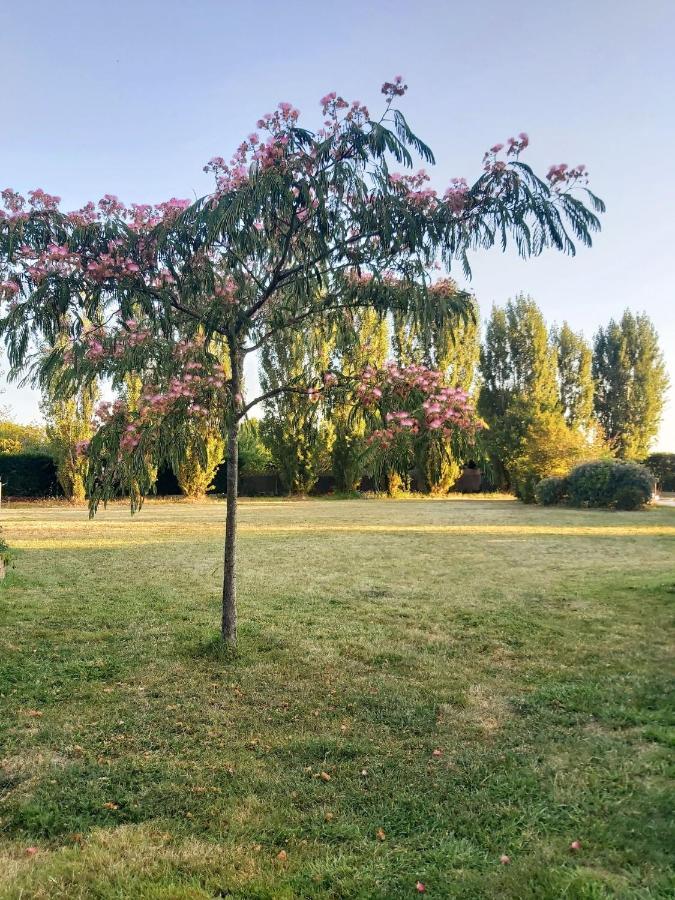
452	351
362	339
206	443
292	426
630	384
293	214
575	376
518	368
68	421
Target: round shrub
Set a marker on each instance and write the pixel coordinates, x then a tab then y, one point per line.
606	482
551	490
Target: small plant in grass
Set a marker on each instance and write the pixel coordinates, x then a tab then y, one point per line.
6	556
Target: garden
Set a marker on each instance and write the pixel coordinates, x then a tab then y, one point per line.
368	682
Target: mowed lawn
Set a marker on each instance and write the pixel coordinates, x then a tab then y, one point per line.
421	687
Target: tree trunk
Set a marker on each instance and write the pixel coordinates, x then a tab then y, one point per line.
229	623
229	619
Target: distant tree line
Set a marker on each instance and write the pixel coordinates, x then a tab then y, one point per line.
549	398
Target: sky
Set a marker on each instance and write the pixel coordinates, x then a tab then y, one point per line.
132	98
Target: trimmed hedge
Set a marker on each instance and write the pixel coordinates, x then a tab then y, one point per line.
662	466
600	483
29	475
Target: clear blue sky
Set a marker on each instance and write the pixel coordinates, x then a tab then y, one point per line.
132	98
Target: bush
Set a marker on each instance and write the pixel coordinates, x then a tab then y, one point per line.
662	466
551	490
630	497
549	447
607	483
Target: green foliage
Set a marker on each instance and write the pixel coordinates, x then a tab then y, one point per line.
29	475
518	367
575	376
630	384
292	428
551	491
361	340
202	457
254	457
549	447
606	483
16	438
662	466
69	423
452	348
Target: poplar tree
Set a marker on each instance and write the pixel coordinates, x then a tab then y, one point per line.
630	384
575	377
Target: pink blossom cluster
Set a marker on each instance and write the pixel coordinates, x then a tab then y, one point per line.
191	389
93	342
140	217
8	290
413	399
135	334
456	195
231	175
57	259
112	265
395	88
412	187
15	204
514	147
333	107
563	176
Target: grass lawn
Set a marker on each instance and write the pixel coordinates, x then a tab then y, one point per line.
421	688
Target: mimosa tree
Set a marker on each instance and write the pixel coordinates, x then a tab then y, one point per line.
294	216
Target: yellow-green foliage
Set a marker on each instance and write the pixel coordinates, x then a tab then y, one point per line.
364	341
68	421
455	352
16	438
551	447
196	472
292	429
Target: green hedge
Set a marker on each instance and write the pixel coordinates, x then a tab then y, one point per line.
662	465
28	475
